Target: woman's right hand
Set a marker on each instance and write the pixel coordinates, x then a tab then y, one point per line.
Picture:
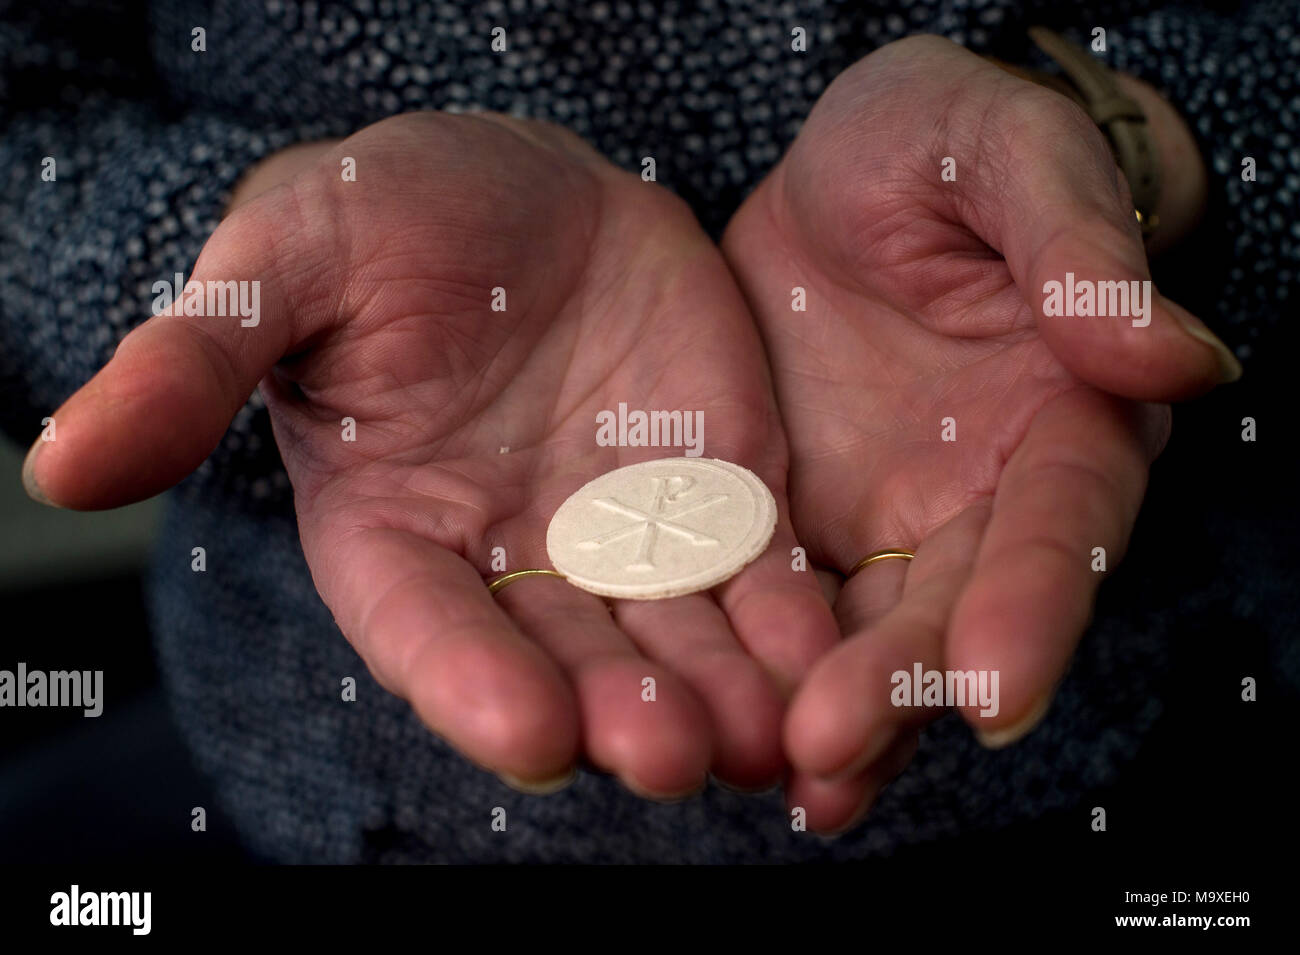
471	426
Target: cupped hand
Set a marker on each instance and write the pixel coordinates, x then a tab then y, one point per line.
471	425
931	404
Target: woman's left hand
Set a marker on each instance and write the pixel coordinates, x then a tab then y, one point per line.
931	403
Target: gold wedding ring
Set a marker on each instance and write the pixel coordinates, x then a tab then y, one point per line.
495	586
893	552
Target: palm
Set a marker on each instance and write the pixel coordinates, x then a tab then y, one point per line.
898	418
474	424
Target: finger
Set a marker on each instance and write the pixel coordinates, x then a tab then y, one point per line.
849	710
780	614
655	736
1056	206
834	806
426	626
1031	593
161	404
881	518
831	583
691	636
870	593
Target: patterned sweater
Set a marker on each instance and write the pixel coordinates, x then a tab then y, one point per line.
149	135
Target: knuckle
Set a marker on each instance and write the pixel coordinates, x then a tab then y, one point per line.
1050	124
922	44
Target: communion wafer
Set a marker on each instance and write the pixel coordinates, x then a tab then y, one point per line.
662	528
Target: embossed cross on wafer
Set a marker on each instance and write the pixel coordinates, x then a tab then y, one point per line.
668	491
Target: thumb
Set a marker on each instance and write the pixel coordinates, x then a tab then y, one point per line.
1102	317
162	403
1060	212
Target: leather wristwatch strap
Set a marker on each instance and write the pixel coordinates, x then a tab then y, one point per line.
1092	85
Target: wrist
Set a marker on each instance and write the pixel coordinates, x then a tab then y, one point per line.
1148	138
1183	178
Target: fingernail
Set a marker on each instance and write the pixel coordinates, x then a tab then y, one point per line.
996	739
1229	368
666	797
881	740
855	820
539	787
29	476
747	790
757	789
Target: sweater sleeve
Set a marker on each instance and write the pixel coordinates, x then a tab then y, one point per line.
111	188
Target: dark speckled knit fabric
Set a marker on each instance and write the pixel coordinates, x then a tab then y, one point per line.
149	137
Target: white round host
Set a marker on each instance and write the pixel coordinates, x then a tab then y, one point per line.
661	528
